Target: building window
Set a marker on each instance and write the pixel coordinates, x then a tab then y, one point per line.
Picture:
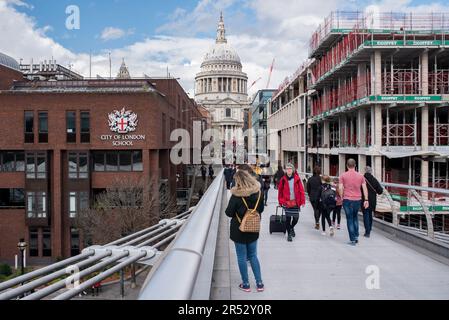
46	242
43	127
36	205
74	242
29	127
78	165
34	243
78	201
118	161
12	198
36	165
71	126
85	127
228	113
12	161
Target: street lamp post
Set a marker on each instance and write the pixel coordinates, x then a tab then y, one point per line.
22	245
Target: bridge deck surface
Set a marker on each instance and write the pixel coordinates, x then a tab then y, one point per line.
314	266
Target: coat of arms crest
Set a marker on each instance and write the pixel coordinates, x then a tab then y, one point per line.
123	121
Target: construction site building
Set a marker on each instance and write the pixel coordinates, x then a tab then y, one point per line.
378	92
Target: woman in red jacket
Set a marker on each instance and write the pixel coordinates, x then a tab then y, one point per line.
291	197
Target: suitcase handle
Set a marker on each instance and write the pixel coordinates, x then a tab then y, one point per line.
283	211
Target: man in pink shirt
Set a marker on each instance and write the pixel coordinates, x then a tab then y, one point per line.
351	185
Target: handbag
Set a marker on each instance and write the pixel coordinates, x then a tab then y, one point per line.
251	220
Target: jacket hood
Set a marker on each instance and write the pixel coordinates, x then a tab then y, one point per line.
253	188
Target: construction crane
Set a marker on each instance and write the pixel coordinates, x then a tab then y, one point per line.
271	72
252	85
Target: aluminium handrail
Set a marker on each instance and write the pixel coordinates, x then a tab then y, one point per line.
176	276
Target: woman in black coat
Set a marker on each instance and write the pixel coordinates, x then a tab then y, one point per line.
374	189
314	192
247	189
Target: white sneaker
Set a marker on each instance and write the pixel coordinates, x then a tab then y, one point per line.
323	233
332	232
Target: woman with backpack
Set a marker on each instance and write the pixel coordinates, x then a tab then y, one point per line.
327	204
291	197
245	208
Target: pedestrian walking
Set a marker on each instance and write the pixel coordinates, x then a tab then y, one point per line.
246	203
351	186
314	192
266	188
336	213
374	189
229	175
211	172
278	176
203	172
291	197
327	204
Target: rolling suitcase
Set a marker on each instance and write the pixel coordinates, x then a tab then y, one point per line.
277	222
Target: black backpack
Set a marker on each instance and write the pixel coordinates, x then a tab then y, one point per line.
328	198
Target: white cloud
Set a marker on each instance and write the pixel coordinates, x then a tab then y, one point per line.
279	29
112	33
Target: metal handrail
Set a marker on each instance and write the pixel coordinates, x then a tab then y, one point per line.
124	252
176	276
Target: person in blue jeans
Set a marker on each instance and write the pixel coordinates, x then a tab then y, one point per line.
351	186
247	189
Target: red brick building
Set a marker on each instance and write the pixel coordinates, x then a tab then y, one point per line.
61	142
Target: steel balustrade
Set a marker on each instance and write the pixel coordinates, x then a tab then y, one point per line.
124	252
177	275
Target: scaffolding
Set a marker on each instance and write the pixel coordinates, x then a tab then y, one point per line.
339	23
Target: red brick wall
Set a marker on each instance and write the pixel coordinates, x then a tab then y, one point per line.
7	77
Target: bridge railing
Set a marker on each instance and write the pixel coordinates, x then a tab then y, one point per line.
185	270
406	204
62	280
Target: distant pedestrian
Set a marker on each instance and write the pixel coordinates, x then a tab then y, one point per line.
266	188
350	187
229	176
211	172
336	214
291	197
278	176
203	172
314	191
246	197
374	189
327	204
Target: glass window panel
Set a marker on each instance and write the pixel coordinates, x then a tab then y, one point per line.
73	166
46	243
125	161
20	161
72	204
8	161
31	167
43	122
111	161
83	166
85	122
99	163
33	245
31	204
29	122
41	167
137	161
71	122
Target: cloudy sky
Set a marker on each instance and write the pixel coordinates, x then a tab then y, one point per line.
153	35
